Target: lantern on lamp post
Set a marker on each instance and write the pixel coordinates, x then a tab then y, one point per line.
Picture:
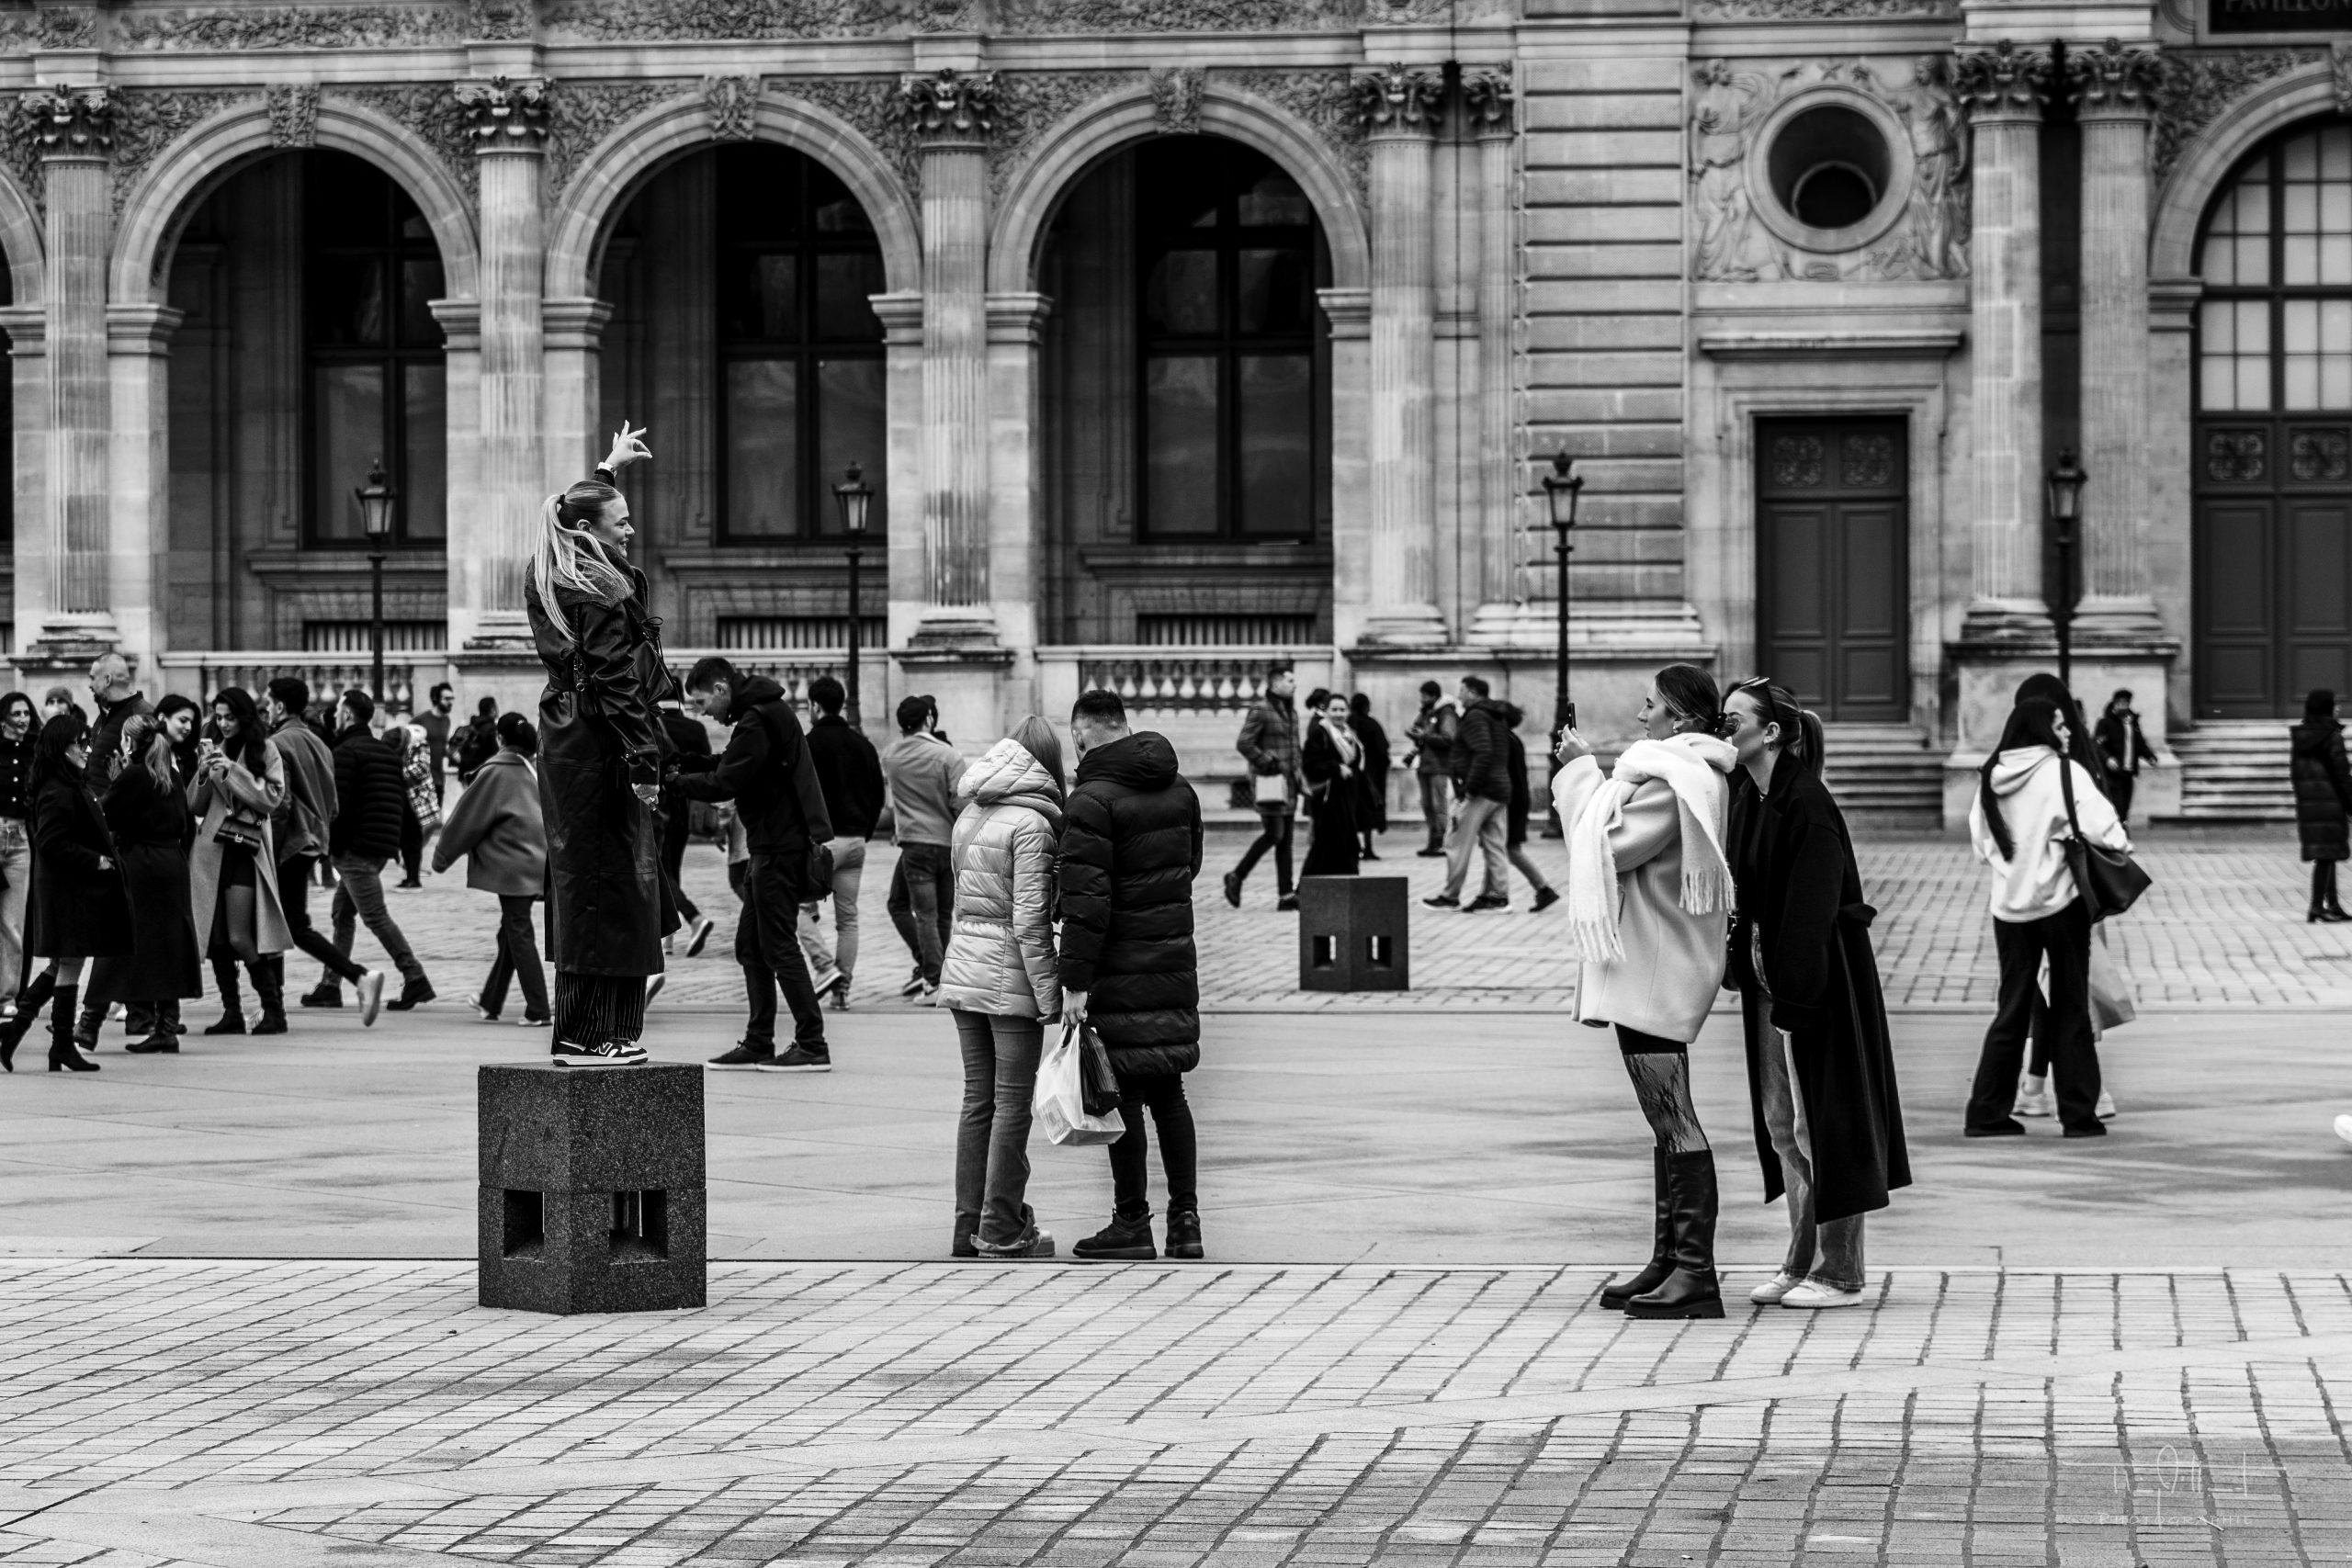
1561	489
856	498
375	500
2063	494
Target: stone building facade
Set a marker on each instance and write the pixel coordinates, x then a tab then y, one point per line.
1181	337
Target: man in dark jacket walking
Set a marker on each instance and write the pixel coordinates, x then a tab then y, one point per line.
766	772
370	794
118	703
2120	743
1269	743
1481	806
1431	733
849	773
1131	847
301	831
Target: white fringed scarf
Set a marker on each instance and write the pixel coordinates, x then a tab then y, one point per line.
1693	766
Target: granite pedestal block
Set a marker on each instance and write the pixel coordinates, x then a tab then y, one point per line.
1354	934
592	1188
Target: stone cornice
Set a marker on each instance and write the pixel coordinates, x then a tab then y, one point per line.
1928	342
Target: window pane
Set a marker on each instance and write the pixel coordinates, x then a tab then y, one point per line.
851	429
1277	444
2253	326
1273	291
424	488
760	299
346	301
1180	433
2254	384
844	284
2302	381
763	449
2299	258
2218	390
2217	317
2301	158
1275	200
347	439
420	283
1181	295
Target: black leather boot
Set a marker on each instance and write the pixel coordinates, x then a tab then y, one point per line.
1123	1240
1184	1235
2332	905
1614	1297
1691	1290
29	1002
65	1055
269	972
232	1006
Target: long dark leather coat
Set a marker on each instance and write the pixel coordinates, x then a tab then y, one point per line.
608	905
1799	887
2323	789
78	910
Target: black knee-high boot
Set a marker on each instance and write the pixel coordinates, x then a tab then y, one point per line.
28	1006
1691	1290
269	984
2332	904
65	1055
1661	1263
232	1006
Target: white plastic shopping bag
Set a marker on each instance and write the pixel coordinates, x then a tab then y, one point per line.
1059	1108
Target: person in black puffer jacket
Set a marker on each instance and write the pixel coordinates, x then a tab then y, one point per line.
1131	847
370	794
2323	801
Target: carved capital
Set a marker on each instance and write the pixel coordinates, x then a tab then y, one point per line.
734	103
2115	80
1487	101
2339	65
67	122
294	116
949	105
1176	99
504	114
1397	100
2002	81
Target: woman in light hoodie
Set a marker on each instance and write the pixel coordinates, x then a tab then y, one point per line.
2020	825
1650	900
1002	982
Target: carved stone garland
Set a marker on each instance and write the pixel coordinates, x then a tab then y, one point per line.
1030	104
293	27
1176	99
147	121
1322	100
583	114
429	111
734	103
294	117
2200	83
1820	10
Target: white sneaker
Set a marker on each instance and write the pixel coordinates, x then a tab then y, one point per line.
2105	1106
606	1054
1771	1290
371	996
653	984
702	930
2033	1097
1813	1296
828	980
930	998
2344	1128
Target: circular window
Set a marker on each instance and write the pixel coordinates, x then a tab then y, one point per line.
1830	166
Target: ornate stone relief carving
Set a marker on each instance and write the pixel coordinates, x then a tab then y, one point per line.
1181	15
1397	98
503	21
147	120
2199	83
292	27
600	20
2001	78
1730	103
504	112
582	114
69	120
872	106
49	27
1176	99
1030	104
2115	76
949	105
1819	10
1323	100
294	116
1487	100
734	105
428	110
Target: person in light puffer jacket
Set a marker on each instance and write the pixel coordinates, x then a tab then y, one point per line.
2018	825
1002	982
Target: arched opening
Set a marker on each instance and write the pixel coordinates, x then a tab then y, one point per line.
1187	398
307	351
743	336
2273	432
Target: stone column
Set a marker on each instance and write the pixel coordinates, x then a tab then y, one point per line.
1016	466
1487	101
950	114
1350	312
2003	86
138	579
575	439
29	382
1398	109
73	129
506	119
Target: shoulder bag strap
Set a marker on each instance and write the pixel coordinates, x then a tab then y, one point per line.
2066	787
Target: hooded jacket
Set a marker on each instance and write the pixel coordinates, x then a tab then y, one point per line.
755	771
1482	753
2322	788
2035	882
1000	956
1130	856
497	826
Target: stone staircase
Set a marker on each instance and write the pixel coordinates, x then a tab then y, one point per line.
2235	771
1886	774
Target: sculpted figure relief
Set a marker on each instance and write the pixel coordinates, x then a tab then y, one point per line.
1940	169
1724	113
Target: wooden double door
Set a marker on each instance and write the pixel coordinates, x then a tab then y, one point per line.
1833	596
2273	541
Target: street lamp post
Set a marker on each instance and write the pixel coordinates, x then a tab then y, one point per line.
376	519
1561	491
2066	502
853	499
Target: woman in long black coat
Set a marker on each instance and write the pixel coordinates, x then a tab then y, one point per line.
1368	730
147	814
78	910
600	766
1820	1069
2323	801
1330	758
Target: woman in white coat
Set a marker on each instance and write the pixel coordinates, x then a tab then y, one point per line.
2020	825
1650	900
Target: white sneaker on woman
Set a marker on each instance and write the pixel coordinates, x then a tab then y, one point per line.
2105	1108
2033	1097
1769	1292
2344	1128
1814	1295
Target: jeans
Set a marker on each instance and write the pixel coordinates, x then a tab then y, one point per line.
1527	867
922	903
517	959
1437	805
412	843
849	871
993	1134
1163	1095
1831	1253
2065	939
294	897
359	896
1480	827
2119	793
765	947
16	887
1273	833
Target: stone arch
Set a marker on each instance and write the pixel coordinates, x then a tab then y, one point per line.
2305	93
20	244
1026	210
167	194
608	173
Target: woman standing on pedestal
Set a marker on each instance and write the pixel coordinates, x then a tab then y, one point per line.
599	765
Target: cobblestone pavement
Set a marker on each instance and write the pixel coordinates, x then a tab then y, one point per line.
2224	926
167	1412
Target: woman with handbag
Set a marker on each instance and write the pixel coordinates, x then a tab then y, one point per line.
496	826
147	815
2032	803
420	808
78	910
1650	900
1820	1069
240	782
1331	760
1002	981
600	766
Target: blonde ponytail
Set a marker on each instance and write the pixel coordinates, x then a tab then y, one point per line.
568	555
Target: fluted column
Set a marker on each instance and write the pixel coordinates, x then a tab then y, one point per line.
138	581
28	384
1487	101
2003	86
950	114
2116	87
1398	109
506	119
573	331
